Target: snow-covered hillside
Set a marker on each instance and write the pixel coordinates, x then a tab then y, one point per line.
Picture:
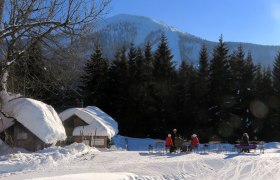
79	161
123	29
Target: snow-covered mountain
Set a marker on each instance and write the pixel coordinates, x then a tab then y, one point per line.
123	29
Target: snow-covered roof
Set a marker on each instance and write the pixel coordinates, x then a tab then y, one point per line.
99	122
38	117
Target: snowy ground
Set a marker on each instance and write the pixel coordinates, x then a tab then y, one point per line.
78	161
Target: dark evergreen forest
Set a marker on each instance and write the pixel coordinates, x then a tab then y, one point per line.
219	98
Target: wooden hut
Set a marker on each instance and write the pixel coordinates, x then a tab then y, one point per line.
19	136
34	125
89	125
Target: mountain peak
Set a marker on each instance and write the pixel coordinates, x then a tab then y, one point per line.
122	29
140	19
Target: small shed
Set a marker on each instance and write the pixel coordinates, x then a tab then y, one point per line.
19	136
33	126
90	125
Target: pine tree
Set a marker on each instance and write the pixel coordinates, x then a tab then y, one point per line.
203	63
203	78
148	61
118	81
139	97
200	98
219	86
132	61
163	88
263	109
241	78
163	64
135	59
275	99
185	104
148	54
276	75
140	65
32	77
249	72
133	81
95	79
219	73
147	80
28	70
237	64
237	67
263	84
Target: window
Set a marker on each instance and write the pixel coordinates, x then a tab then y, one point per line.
21	135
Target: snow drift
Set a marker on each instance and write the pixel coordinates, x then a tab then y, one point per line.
79	161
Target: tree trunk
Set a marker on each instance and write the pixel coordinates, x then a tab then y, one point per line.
1	11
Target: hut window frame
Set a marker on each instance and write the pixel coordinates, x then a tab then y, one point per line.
21	135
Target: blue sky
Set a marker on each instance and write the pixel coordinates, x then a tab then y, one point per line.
253	21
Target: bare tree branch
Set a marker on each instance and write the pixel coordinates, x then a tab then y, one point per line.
30	21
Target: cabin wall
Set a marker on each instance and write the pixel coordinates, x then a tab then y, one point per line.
71	123
19	136
95	141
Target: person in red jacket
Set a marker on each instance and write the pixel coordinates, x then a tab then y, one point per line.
169	143
194	141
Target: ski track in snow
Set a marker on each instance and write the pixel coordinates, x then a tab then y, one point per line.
80	159
241	167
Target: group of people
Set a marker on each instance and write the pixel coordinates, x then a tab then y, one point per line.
171	138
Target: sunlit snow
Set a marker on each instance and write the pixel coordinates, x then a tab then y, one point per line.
79	161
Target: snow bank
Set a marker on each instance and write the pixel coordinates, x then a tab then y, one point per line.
48	158
98	121
272	145
79	161
134	144
38	117
5	149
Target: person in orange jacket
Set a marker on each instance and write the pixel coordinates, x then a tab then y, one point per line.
169	143
194	141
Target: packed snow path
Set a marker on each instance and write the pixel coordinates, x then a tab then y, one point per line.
89	164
